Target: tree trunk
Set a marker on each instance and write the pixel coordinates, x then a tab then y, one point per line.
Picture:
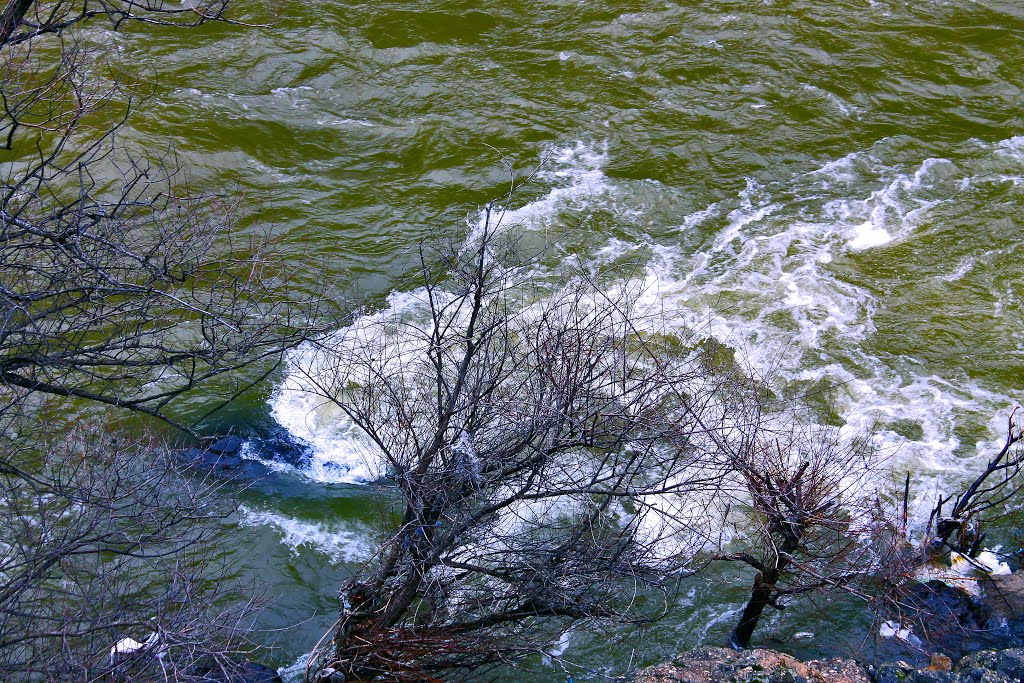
760	597
762	591
382	603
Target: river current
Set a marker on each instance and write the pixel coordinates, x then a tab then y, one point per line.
834	189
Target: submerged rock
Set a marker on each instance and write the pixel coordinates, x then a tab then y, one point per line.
227	445
237	672
955	620
224	457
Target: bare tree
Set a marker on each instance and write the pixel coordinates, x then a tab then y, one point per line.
961	530
118	284
108	567
821	523
27	20
119	287
522	423
802	492
939	581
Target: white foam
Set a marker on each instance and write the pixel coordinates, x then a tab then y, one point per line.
579	181
765	285
752	209
341	542
296	671
1012	147
965	266
340	451
835	100
344	122
248	452
838	170
867	235
285	91
698	217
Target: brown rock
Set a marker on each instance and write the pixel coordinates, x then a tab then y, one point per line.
940	662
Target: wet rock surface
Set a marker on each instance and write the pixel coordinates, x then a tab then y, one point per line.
237	672
951	608
224	457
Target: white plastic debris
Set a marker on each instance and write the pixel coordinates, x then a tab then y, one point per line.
891	629
803	635
966	573
123	647
991	561
129	646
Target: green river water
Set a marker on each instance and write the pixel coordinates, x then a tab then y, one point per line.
835	189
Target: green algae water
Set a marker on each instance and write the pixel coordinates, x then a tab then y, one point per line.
833	189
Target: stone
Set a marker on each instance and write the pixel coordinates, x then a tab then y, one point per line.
1005	594
940	662
1007	663
952	607
719	665
227	444
955	621
210	459
223	456
237	672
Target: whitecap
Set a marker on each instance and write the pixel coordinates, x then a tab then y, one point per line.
868	235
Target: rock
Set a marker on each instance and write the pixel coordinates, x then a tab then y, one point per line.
254	469
1005	593
224	456
1006	663
901	672
893	672
948	613
190	455
227	444
236	672
954	604
223	462
940	662
838	669
718	665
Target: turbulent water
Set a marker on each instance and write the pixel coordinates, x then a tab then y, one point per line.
832	188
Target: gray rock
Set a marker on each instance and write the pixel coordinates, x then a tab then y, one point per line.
1007	664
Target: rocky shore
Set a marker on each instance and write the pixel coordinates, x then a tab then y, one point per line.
721	665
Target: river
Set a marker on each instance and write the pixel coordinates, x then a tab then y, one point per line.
834	189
